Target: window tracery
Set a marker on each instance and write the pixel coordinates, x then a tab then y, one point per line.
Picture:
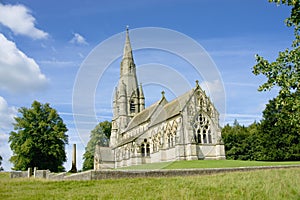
202	129
145	148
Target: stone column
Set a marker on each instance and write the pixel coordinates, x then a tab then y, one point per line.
29	172
74	169
34	172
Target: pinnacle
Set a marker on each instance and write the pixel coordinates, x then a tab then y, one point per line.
127	47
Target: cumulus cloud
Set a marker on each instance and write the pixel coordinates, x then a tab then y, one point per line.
78	39
19	19
17	71
5	151
7	114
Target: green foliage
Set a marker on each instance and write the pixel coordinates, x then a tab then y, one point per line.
279	133
99	135
239	141
279	136
285	71
294	19
1	168
39	139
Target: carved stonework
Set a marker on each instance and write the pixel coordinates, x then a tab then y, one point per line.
185	128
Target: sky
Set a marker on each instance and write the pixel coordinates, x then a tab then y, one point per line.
45	44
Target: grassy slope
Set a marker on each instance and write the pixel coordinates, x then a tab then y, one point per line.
263	184
207	164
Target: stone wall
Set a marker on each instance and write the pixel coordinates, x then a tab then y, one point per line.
80	176
40	173
18	174
116	174
54	176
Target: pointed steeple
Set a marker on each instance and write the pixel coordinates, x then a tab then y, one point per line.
127	53
127	64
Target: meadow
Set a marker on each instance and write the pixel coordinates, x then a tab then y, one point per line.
193	164
261	184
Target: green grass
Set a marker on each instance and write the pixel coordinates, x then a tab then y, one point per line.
261	184
206	164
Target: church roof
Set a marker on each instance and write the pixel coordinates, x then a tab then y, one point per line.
172	108
130	139
145	115
158	112
140	118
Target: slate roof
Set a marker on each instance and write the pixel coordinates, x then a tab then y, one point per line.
172	108
158	112
145	115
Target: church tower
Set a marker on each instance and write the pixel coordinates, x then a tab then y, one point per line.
128	96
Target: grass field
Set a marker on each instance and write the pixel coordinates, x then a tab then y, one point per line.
262	184
206	164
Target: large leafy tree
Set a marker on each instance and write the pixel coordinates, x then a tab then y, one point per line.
239	140
99	135
279	136
280	126
39	139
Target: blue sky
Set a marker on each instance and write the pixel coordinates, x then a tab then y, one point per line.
44	43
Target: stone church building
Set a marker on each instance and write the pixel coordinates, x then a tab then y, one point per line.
186	128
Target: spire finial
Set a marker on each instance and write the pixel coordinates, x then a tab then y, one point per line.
197	83
127	48
163	93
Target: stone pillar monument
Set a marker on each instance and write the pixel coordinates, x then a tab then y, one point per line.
74	169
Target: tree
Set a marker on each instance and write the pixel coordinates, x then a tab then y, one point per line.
239	141
99	135
279	137
280	127
39	139
1	168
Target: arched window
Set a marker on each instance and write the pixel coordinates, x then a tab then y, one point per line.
148	149
209	137
132	106
143	150
204	138
198	136
202	127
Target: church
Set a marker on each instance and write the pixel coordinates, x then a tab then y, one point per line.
186	128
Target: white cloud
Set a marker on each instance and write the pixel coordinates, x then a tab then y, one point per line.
78	39
19	19
17	71
7	114
5	151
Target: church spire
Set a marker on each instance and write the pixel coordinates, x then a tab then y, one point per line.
127	53
129	98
